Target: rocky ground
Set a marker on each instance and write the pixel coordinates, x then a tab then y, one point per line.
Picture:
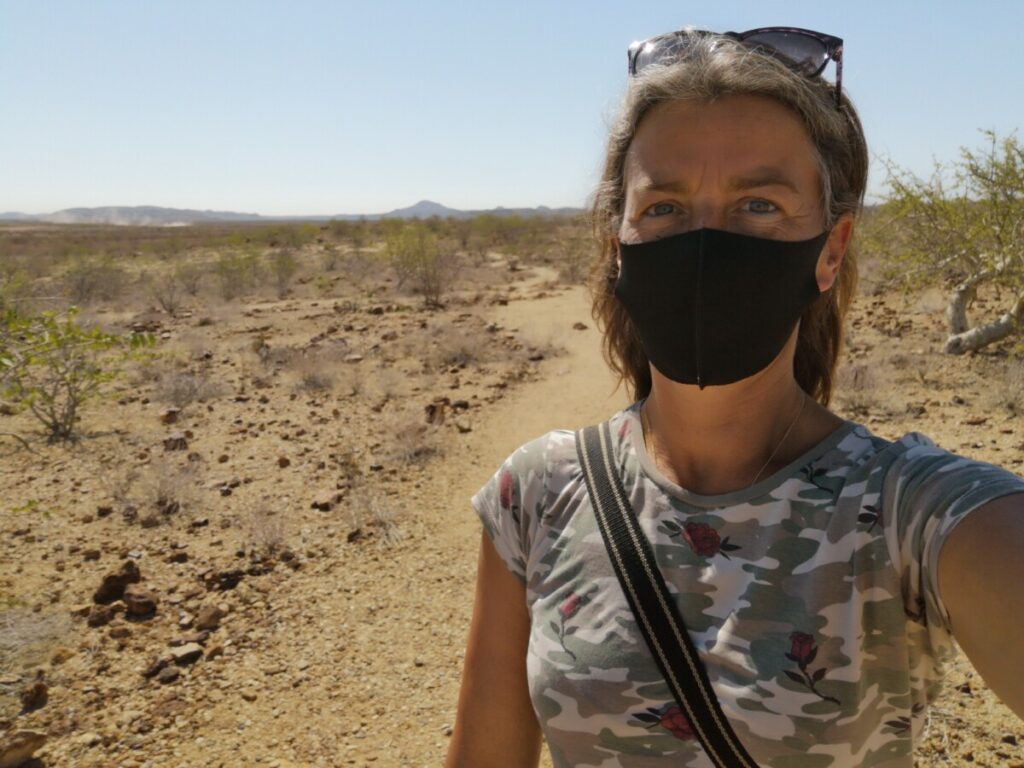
278	570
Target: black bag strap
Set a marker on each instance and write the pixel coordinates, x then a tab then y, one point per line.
651	602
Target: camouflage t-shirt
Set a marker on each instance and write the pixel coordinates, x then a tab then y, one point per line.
811	597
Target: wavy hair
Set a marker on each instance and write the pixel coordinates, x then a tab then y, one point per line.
716	67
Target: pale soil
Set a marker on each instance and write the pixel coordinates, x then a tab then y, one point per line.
354	657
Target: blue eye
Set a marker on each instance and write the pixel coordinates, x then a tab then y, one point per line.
761	206
660	209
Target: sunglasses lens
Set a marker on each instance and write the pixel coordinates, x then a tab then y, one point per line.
660	50
807	55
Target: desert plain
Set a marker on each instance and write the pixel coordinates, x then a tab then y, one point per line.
273	497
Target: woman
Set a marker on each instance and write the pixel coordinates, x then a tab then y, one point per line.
821	571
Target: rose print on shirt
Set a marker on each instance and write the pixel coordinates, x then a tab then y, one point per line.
803	651
566	613
871	514
670	717
506	494
701	538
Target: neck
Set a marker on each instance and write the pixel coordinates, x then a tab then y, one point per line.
720	439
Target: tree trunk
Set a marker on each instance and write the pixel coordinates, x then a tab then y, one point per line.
960	299
976	338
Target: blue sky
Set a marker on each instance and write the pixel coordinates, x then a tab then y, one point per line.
316	107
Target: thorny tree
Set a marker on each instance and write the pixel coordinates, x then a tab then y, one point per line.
962	228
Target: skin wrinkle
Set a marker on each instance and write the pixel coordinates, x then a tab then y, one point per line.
706	182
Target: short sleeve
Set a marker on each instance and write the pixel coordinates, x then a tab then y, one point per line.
928	491
508	505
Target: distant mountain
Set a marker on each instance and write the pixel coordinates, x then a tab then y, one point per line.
151	215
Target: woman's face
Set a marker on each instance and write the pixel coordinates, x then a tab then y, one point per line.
743	164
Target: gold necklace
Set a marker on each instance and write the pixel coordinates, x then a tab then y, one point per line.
803	402
645	428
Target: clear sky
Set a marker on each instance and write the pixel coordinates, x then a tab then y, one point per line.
318	107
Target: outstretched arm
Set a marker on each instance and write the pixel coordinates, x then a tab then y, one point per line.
981	580
495	726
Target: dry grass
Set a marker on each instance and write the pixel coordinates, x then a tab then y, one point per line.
265	532
367	507
406	438
857	388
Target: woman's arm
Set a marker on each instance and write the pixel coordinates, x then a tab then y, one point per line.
981	580
495	725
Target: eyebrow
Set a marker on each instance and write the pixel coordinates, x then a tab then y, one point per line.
765	176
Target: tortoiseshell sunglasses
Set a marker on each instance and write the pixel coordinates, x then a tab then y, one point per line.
802	50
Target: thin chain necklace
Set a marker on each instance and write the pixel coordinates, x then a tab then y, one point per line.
646	429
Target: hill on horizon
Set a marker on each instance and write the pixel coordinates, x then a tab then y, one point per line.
152	215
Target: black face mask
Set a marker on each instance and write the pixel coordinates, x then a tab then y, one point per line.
714	307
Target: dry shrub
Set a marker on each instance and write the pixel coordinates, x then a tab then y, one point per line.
857	388
182	388
1008	394
168	291
406	437
157	493
455	345
351	380
367	507
313	370
89	280
265	532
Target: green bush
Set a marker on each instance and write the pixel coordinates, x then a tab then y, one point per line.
52	365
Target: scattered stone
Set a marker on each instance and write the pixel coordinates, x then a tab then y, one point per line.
18	747
170	416
209	617
119	632
578	326
60	655
139	601
463	426
103	511
215	651
168	675
35	695
113	584
90	739
353	358
223	580
1009	739
222	459
191	637
325	500
436	410
283	461
91	554
187	653
100	615
177	557
175	442
248	695
155	666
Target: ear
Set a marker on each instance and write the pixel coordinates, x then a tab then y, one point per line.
832	254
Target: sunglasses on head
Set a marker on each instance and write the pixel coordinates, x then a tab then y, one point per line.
802	50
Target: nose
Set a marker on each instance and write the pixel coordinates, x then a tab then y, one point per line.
707	214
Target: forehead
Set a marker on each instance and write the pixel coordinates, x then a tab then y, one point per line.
679	142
